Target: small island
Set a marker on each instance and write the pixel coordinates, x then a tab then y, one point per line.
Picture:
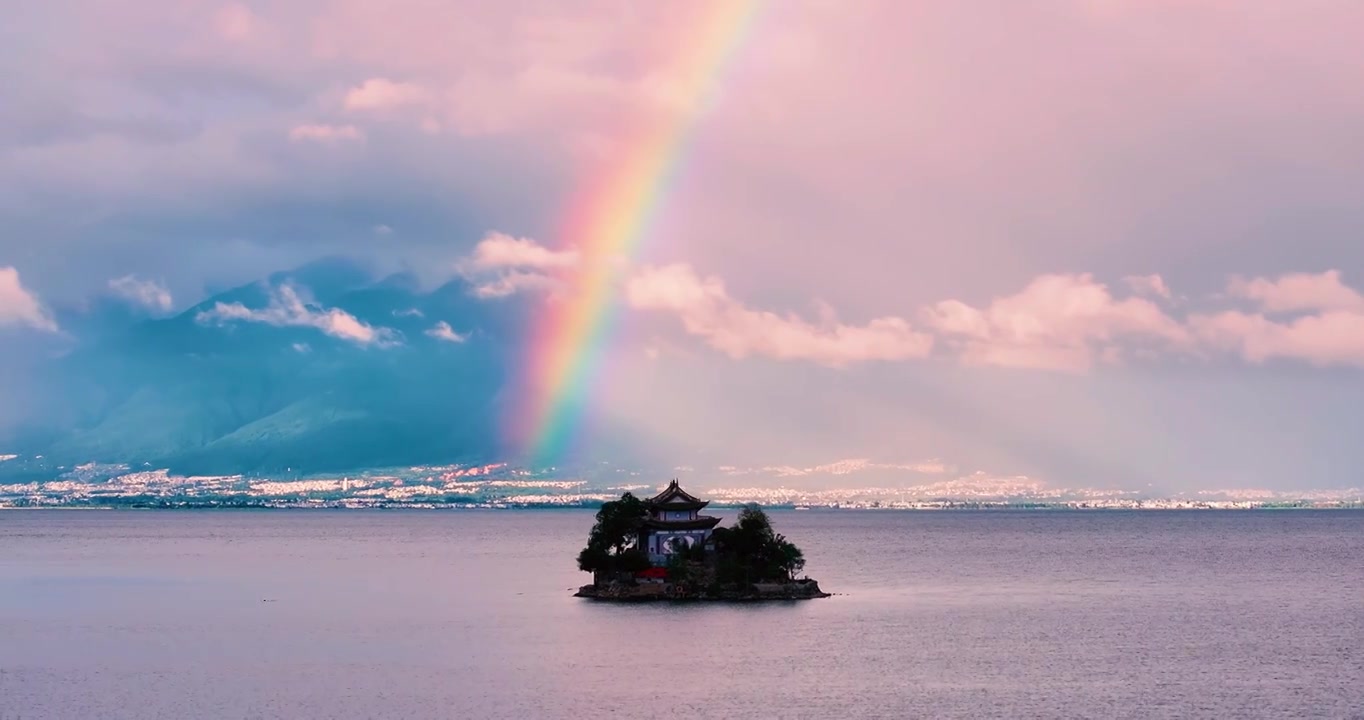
662	548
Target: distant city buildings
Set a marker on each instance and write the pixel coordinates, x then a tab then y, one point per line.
501	486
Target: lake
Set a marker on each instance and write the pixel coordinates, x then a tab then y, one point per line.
469	614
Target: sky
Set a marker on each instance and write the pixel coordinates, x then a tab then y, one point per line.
1094	241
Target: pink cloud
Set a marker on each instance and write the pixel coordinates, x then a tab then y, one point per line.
1057	322
1332	333
707	310
883	156
1096	147
234	22
562	71
18	306
573	105
1060	322
384	94
1299	291
325	133
1148	285
1330	338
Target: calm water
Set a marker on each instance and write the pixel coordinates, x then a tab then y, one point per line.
468	615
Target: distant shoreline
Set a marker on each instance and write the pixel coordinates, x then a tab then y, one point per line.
956	508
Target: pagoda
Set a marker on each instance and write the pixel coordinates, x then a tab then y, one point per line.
674	524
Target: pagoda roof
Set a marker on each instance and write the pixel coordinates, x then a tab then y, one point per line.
675	496
703	522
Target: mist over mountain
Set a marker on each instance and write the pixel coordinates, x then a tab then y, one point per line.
321	368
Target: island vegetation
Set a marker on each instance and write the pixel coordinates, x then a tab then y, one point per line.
746	561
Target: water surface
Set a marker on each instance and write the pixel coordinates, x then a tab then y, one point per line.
468	614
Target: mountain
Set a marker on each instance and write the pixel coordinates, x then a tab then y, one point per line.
265	396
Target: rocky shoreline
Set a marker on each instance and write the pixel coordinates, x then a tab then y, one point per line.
644	592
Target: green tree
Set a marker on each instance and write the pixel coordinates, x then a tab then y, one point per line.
618	521
593	559
790	558
751	551
753	521
611	544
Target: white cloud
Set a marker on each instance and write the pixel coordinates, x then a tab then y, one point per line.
20	307
287	309
1298	292
1060	322
383	230
1057	322
145	293
499	250
501	265
384	94
707	310
410	312
443	331
325	133
510	283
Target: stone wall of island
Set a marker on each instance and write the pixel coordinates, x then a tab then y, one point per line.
805	589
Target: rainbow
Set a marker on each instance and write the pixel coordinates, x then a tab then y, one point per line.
607	227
